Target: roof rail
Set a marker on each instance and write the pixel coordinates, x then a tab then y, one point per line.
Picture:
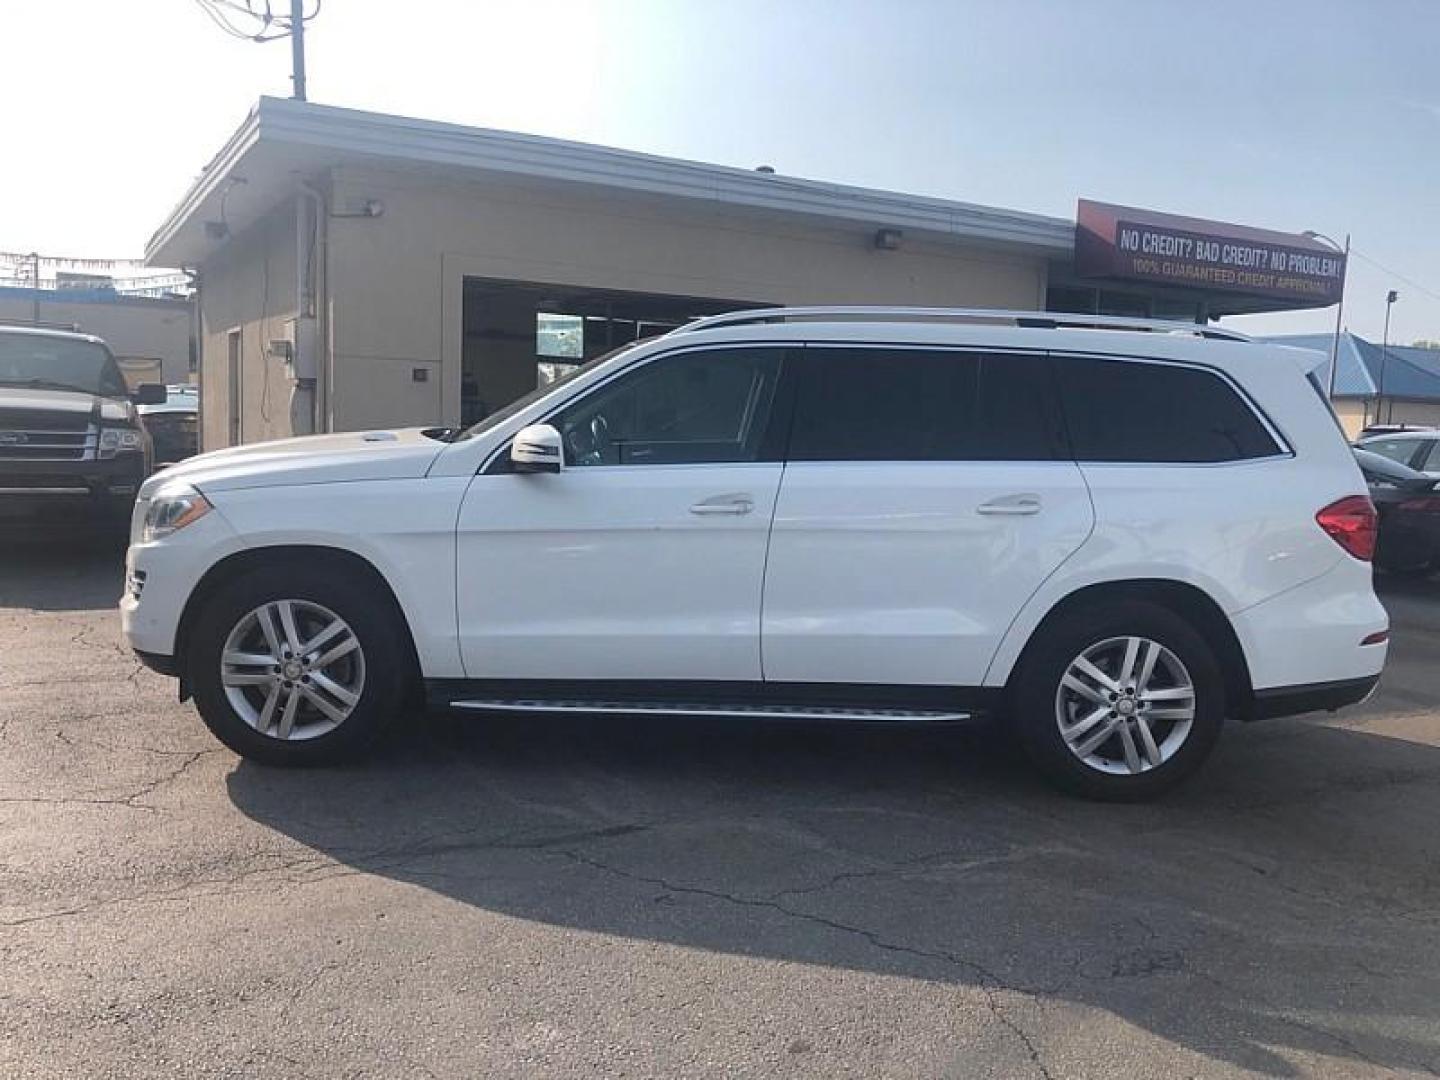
1043	320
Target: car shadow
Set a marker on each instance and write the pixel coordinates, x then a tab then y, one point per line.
54	567
1285	901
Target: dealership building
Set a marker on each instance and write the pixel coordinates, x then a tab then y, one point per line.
359	270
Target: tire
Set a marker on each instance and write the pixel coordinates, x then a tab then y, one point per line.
377	671
1041	696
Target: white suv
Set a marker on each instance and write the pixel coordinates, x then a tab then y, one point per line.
1114	533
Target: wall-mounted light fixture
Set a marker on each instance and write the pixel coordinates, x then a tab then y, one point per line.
888	239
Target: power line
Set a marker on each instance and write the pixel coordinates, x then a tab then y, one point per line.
1396	274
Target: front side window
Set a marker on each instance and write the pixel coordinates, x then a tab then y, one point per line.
688	408
1429	461
1131	411
902	404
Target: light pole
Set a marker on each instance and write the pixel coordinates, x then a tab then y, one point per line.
1339	304
1390	299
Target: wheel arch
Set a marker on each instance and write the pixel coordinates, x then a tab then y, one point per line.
242	562
1188	601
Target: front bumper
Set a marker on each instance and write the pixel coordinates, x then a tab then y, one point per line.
42	488
159	579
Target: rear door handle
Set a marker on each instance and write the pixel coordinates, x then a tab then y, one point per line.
724	504
1012	505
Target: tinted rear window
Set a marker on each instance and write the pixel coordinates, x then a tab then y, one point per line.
893	404
1122	410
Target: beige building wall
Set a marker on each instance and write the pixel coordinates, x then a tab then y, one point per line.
133	326
248	288
397	278
1355	413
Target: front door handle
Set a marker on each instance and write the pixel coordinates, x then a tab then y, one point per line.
724	504
1013	505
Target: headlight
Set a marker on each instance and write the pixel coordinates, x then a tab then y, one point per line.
113	440
170	510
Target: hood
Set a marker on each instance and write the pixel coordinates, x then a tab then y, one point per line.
311	459
60	401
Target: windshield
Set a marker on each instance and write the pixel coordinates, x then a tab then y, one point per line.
56	363
499	416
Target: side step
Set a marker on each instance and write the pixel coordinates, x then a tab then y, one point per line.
662	708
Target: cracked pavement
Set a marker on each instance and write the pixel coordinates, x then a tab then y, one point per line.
652	898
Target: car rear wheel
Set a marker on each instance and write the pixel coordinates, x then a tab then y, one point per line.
295	666
1121	701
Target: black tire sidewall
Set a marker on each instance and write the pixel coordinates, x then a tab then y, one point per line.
370	616
1045	662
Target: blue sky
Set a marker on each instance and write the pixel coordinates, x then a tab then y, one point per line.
1289	115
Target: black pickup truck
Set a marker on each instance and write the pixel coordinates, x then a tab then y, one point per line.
71	440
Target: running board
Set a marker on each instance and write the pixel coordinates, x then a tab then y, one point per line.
661	708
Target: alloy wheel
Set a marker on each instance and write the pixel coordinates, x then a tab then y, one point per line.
293	669
1125	705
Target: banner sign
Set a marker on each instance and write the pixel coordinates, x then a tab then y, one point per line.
1125	243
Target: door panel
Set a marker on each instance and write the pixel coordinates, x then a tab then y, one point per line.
643	557
928	494
893	572
615	572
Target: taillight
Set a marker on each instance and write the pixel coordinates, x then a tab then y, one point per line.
1351	523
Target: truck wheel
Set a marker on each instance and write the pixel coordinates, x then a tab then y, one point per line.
298	665
1120	701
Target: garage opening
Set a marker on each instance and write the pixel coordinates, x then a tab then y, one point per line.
517	336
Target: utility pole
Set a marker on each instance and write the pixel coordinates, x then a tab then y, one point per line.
35	281
1339	311
297	48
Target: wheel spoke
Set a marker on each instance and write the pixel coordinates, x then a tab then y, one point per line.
335	714
1127	665
349	645
287	718
1093	741
267	714
244	659
287	620
1171	693
1132	756
267	627
1084	689
246	678
1147	742
1147	666
1081	726
334	689
1185	713
1093	673
337	626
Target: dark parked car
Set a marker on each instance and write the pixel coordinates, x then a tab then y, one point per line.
1409	507
174	424
71	440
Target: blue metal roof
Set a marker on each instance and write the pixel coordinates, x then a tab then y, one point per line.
1408	371
1352	374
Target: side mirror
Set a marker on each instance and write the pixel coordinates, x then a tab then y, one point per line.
536	449
150	394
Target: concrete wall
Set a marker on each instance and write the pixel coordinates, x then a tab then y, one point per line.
397	279
249	285
133	326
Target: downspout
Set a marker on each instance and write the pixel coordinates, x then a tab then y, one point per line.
310	391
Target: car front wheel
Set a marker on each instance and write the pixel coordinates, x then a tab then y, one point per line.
295	666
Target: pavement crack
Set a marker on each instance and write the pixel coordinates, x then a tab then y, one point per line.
989	984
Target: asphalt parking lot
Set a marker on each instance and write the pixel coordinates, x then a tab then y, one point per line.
563	898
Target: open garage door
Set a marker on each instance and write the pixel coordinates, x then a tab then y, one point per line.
517	336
